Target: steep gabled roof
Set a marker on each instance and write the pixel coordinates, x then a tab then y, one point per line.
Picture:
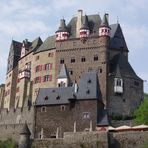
63	72
15	48
36	44
120	63
87	89
117	40
48	44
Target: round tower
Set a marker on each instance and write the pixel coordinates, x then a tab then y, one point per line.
104	29
84	30
62	33
24	141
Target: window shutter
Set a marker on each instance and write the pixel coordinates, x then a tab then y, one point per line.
40	67
50	66
50	78
43	80
39	79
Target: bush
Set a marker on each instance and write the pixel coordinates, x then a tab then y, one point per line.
141	114
9	143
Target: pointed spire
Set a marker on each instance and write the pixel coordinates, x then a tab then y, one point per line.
63	72
118	73
62	26
25	130
85	23
105	20
62	33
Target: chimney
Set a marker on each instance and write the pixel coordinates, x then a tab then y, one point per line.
79	22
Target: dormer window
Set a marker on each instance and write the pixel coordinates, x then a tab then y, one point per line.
118	85
46	98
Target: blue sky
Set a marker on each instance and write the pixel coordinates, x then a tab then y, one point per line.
21	19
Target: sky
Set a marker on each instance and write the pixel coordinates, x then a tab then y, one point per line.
28	19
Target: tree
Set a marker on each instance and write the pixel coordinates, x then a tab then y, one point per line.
141	114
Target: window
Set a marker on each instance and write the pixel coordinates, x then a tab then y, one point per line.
50	54
83	59
100	70
118	82
58	97
43	109
61	84
86	115
62	61
28	66
38	68
95	57
72	60
70	72
37	80
37	58
47	78
48	66
46	98
63	107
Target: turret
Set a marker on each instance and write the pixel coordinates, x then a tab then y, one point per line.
104	29
25	47
24	141
62	80
84	30
62	33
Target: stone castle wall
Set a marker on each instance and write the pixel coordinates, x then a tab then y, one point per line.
95	139
13	120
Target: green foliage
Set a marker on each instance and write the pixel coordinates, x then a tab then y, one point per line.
9	143
119	117
141	114
144	145
97	143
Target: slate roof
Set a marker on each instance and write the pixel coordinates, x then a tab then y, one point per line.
52	96
85	23
117	38
105	21
15	48
62	26
63	72
103	121
119	63
62	95
25	130
36	44
88	87
48	44
94	22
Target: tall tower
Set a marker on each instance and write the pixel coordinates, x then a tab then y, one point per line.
62	33
12	71
104	38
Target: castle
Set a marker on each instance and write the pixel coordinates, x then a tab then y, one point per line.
78	77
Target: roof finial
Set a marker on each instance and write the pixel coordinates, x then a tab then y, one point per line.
117	20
